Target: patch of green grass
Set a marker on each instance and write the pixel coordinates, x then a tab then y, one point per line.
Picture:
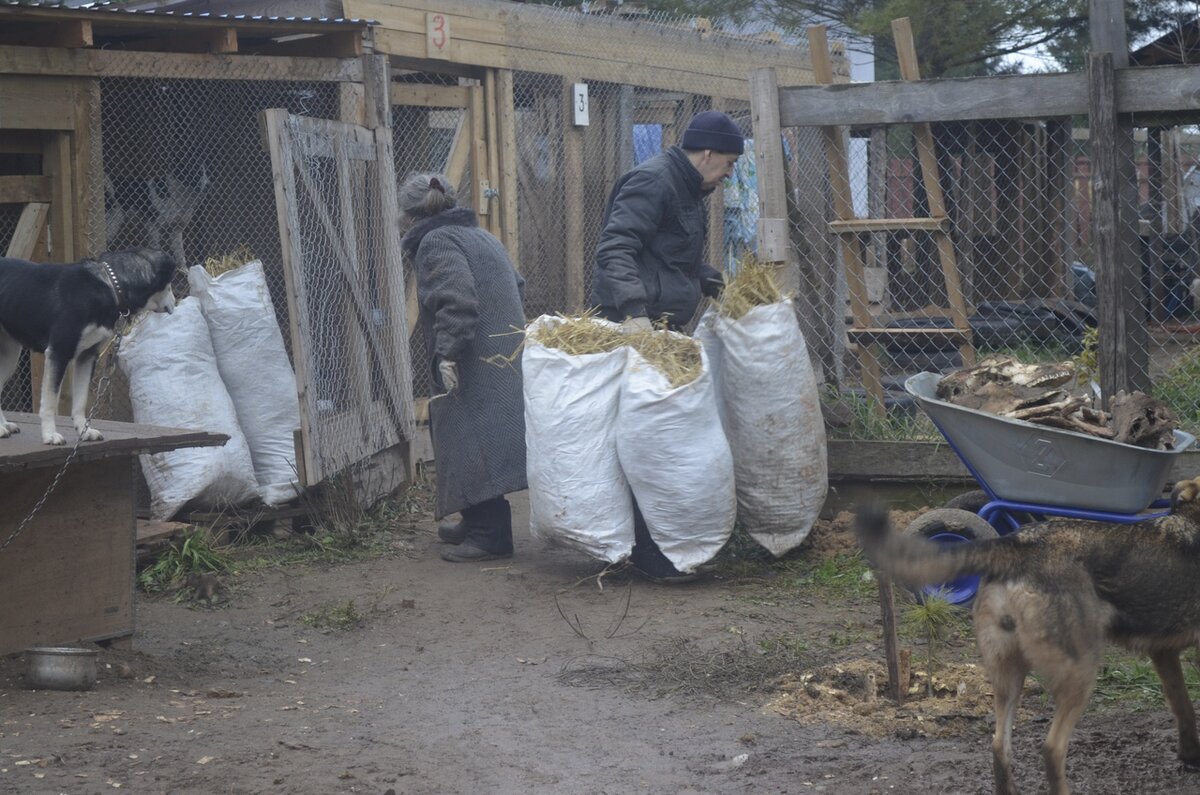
1179	388
865	423
1031	352
195	553
334	617
795	577
1130	682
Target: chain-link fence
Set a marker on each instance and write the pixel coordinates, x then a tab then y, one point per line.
1018	194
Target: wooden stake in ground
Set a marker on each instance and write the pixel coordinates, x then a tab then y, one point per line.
891	645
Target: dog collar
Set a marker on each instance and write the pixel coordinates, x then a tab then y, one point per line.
116	284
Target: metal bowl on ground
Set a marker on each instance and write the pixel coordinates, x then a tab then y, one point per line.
60	668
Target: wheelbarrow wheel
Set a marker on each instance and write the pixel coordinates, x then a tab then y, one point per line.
974	500
952	526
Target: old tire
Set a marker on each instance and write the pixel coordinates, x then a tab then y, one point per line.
974	500
952	526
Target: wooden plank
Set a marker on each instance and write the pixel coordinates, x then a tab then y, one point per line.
57	165
392	290
572	166
843	209
24	450
530	38
32	103
1106	30
430	96
75	33
769	160
284	179
1122	350
151	530
31	225
16	60
891	643
51	598
882	336
377	87
493	152
931	176
860	225
1143	90
509	181
479	158
88	170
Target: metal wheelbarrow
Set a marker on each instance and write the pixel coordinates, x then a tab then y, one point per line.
1029	472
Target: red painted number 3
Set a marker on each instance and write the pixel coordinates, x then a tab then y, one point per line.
437	36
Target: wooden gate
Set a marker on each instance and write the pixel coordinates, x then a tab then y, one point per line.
335	195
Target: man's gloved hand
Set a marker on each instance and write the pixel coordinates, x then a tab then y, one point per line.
713	286
635	325
448	371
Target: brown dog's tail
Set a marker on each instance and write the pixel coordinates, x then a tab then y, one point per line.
916	561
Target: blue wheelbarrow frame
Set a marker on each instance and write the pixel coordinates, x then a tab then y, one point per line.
1035	471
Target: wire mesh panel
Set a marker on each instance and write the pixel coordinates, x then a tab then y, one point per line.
338	223
1018	196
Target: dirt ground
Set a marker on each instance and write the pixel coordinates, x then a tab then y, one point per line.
526	676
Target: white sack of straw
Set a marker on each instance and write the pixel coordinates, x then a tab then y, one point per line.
674	453
578	495
254	365
174	382
772	416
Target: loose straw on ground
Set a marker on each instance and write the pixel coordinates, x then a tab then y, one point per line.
752	285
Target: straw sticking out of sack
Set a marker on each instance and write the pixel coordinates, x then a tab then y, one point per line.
216	265
752	285
578	336
675	356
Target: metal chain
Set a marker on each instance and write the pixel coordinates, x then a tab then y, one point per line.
101	390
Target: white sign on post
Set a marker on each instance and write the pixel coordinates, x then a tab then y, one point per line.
437	35
579	104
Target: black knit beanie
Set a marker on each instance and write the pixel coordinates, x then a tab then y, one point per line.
713	130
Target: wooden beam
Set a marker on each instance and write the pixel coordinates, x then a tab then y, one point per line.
509	181
493	153
572	168
858	225
22	189
16	60
1122	348
426	95
1106	28
769	161
30	227
1141	90
34	103
535	39
274	124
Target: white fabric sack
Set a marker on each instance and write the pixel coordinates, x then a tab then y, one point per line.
578	495
775	427
710	343
173	382
674	452
254	365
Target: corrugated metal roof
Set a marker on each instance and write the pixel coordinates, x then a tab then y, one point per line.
113	8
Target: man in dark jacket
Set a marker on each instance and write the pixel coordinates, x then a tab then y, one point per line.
650	258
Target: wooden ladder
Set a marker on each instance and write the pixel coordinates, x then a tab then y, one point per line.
864	335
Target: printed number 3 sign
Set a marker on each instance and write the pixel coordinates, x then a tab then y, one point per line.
437	35
579	104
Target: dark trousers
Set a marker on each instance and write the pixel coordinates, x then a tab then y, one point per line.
646	555
489	525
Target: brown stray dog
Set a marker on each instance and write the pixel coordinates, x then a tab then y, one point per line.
1049	597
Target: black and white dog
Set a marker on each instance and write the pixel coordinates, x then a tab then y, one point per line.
68	312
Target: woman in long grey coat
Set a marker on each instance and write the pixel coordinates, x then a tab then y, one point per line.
470	296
